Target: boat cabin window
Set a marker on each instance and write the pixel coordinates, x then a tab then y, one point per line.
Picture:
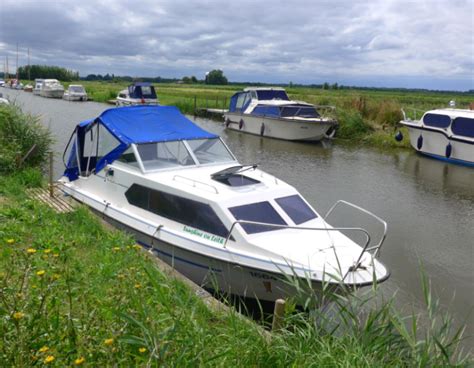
210	150
242	100
296	208
299	111
253	94
128	157
107	142
272	95
185	211
78	89
463	126
437	120
142	91
160	155
257	212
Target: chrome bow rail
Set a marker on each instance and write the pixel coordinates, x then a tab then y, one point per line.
366	248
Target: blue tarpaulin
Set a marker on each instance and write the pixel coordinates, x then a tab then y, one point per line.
133	124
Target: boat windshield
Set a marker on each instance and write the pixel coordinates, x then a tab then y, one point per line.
78	89
272	95
210	151
163	155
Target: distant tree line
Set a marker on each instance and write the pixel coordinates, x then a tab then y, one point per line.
47	72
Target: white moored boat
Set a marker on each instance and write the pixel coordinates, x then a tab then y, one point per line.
180	190
75	92
445	134
269	112
51	88
142	93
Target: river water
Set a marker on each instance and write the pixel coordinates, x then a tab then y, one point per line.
428	204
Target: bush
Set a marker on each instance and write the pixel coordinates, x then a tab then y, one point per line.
352	125
19	133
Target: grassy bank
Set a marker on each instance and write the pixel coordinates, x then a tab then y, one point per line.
365	116
73	293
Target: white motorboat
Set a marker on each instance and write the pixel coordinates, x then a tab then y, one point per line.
37	88
180	191
75	92
269	112
51	88
137	94
445	134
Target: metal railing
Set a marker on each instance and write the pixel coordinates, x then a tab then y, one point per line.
365	247
194	182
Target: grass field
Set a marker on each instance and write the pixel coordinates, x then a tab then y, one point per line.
365	116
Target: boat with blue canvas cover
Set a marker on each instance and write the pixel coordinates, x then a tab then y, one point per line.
269	112
445	134
139	93
180	191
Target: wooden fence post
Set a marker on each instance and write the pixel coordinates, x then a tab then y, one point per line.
278	313
51	187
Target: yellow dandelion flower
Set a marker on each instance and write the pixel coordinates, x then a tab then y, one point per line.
79	361
31	250
116	249
142	350
33	286
40	273
136	246
44	349
47	251
56	276
10	241
55	255
108	342
137	286
49	359
18	315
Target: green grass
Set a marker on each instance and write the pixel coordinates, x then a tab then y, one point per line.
74	291
24	142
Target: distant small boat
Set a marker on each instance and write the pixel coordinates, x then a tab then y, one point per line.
75	92
269	112
37	88
137	94
51	88
28	88
445	134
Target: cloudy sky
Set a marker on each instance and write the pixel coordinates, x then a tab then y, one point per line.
386	43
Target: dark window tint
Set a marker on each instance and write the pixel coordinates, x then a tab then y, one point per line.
301	111
138	196
185	211
436	120
272	95
464	127
258	212
296	208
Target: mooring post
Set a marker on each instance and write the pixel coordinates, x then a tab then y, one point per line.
51	188
278	313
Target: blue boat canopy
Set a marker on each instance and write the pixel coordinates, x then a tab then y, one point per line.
128	125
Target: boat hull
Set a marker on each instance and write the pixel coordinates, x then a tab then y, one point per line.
135	101
74	97
434	144
55	93
212	273
287	129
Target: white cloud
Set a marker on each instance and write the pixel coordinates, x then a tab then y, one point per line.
343	41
